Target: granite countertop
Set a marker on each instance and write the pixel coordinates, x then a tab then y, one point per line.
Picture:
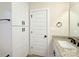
65	52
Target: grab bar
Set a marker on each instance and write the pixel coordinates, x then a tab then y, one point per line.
4	19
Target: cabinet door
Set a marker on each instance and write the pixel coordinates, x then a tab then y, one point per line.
20	12
60	23
74	19
56	52
26	37
20	41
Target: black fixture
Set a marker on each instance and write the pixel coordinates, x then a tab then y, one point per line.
7	55
72	40
78	45
54	52
45	36
4	19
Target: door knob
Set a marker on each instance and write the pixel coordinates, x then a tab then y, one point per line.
45	36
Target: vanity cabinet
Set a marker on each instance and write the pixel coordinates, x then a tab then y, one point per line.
55	51
74	19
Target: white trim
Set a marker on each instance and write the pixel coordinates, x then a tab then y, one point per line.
39	9
48	22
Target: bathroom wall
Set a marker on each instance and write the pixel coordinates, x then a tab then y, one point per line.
57	12
5	29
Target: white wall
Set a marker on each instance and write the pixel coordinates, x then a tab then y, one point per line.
57	11
5	29
5	10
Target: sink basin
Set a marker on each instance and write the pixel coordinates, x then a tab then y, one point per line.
65	44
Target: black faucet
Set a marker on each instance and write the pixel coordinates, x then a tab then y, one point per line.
72	40
78	45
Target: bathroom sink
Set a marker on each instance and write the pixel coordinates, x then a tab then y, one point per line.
65	44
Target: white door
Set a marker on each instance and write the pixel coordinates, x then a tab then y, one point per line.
38	32
20	41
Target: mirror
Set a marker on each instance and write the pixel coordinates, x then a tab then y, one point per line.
74	19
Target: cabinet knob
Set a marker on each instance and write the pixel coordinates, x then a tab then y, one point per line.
32	47
23	22
54	52
31	32
23	29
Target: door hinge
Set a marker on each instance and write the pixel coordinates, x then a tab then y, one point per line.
31	16
54	52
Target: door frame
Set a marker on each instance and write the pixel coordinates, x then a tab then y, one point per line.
48	27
